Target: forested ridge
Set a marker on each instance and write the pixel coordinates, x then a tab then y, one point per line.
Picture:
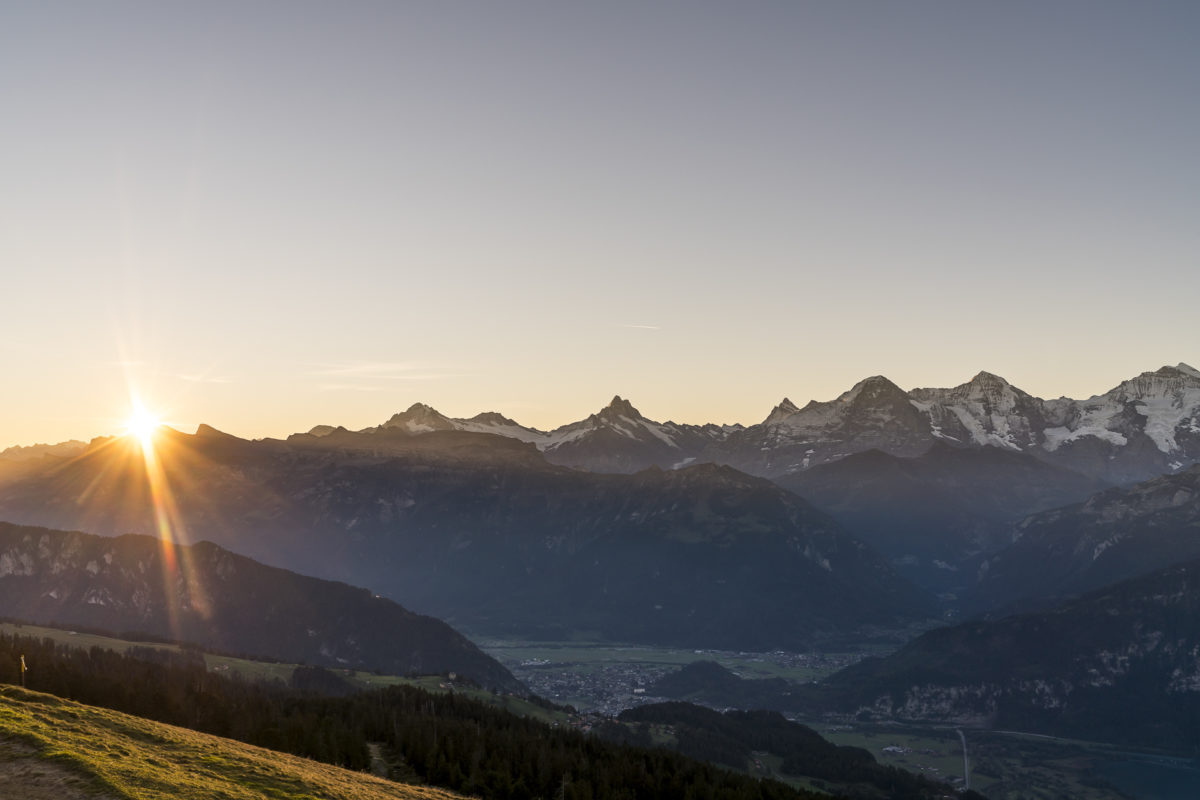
443	739
735	737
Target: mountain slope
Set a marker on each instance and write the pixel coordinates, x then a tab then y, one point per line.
209	596
54	748
480	530
740	739
1117	534
716	686
939	514
1119	665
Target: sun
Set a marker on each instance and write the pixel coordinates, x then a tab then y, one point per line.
143	425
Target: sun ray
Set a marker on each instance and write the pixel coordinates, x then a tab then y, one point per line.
180	583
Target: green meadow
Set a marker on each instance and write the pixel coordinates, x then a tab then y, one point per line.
76	751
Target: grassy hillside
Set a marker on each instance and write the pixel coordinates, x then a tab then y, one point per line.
83	751
254	670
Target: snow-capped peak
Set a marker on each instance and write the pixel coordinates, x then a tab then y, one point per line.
491	418
419	418
1169	399
872	389
619	417
1161	382
986	410
1188	370
500	425
988	379
421	408
993	391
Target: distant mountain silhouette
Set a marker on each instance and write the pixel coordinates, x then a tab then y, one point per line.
938	515
479	530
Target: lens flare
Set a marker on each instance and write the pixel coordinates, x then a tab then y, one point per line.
181	584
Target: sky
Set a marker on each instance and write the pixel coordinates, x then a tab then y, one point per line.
270	215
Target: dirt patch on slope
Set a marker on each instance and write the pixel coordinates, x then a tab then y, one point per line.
23	774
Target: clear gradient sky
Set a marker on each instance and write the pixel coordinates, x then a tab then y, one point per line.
268	215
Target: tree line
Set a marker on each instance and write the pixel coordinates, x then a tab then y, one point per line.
446	740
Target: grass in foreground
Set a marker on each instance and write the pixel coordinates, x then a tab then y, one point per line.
128	757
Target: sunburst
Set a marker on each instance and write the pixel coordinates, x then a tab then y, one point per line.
147	428
143	424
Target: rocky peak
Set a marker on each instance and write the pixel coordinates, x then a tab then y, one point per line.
619	407
873	392
989	380
419	418
421	408
323	430
491	418
994	392
209	432
782	411
1159	383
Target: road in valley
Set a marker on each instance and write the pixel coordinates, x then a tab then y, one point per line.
966	766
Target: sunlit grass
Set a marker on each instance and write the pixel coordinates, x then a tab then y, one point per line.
129	757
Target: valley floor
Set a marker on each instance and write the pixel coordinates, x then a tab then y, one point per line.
607	678
603	679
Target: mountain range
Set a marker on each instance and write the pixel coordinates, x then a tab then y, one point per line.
934	479
502	528
1146	426
206	595
481	531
